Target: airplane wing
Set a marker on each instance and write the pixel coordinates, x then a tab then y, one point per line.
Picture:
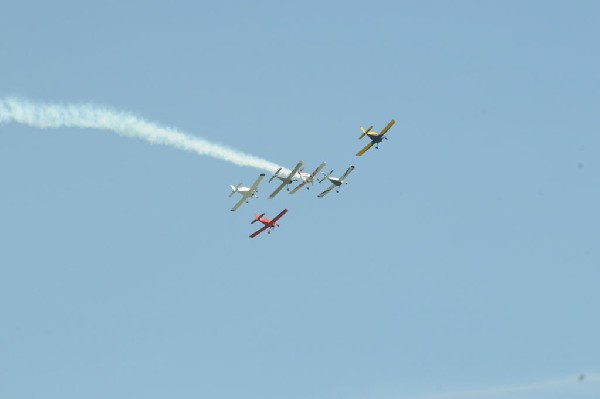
286	181
276	218
278	189
387	127
257	182
313	174
358	154
298	187
257	232
239	203
324	193
350	169
310	179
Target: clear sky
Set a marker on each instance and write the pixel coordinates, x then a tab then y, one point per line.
461	260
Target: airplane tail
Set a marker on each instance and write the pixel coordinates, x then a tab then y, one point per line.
364	132
257	218
234	189
275	175
325	176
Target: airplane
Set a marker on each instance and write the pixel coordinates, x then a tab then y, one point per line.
246	192
335	181
268	223
284	180
307	178
375	137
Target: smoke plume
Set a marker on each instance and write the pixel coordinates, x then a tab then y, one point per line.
46	116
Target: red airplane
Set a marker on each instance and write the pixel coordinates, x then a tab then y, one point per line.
268	223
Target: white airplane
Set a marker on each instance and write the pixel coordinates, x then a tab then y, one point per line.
335	181
284	180
307	178
246	192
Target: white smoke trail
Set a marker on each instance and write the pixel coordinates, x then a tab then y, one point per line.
88	116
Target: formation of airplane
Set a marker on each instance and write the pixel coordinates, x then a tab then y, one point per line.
336	182
375	137
246	192
305	178
267	223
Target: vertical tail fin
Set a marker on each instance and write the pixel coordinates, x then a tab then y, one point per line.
234	189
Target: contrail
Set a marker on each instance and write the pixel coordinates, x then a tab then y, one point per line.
45	116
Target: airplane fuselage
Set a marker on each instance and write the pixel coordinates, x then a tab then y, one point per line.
268	223
375	138
284	179
304	176
335	181
245	191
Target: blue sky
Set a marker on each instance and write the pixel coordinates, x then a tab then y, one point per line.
461	257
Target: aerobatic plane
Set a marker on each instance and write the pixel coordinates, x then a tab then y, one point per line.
307	178
246	192
375	137
267	223
285	180
336	182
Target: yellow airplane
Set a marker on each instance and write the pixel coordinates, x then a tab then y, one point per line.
375	137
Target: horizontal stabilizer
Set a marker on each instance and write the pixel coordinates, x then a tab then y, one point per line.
364	132
325	176
234	189
275	175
